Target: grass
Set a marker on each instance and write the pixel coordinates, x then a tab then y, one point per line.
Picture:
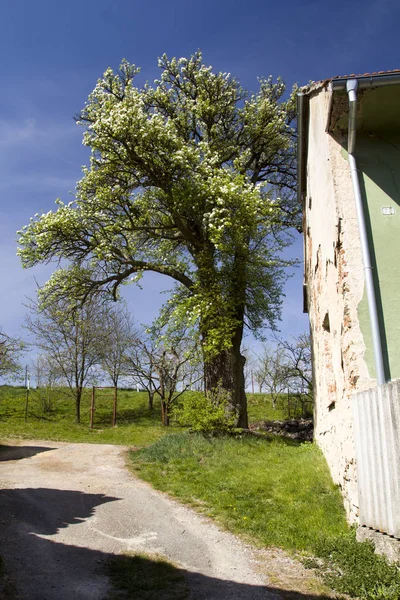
136	424
147	577
275	491
260	408
354	569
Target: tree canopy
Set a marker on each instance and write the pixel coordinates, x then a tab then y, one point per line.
193	178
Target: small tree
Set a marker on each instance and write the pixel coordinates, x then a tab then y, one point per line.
286	368
299	372
164	368
70	336
140	365
47	376
271	372
11	350
170	367
118	338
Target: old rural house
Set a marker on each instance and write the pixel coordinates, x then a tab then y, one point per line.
349	185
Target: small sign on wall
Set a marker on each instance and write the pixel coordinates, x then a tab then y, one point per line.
388	210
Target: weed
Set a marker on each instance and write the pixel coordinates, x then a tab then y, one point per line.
353	568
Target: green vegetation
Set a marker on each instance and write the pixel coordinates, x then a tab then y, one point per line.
192	177
51	416
274	490
260	408
55	419
146	577
205	414
353	568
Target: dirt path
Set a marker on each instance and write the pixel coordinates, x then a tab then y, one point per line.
66	508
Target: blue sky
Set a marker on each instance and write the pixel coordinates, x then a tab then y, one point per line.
52	54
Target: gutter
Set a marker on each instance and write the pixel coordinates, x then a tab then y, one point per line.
302	145
352	86
366	82
302	149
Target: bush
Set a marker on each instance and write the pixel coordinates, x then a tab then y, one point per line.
205	414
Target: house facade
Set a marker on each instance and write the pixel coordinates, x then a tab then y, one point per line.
349	186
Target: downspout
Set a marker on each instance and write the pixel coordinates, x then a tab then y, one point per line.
351	88
302	137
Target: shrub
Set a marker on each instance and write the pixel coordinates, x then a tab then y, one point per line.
206	414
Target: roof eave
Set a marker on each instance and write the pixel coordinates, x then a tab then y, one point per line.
366	81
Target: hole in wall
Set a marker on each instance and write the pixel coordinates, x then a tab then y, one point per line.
326	324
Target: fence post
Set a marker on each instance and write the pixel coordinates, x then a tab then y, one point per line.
115	407
92	409
27	386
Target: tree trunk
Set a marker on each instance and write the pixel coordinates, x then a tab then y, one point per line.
164	413
151	400
78	398
227	370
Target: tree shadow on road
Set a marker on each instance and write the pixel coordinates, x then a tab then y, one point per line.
41	568
20	452
45	511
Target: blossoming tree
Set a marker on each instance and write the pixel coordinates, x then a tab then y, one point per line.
192	178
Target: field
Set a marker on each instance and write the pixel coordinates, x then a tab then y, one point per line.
53	418
136	424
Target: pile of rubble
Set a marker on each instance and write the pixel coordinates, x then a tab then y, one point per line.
296	429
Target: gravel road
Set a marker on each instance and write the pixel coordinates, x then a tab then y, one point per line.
66	508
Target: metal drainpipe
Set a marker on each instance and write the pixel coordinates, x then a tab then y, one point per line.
351	87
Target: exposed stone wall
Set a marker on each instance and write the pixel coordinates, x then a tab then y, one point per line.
335	283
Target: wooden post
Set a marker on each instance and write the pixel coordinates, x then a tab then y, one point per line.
115	407
92	409
27	378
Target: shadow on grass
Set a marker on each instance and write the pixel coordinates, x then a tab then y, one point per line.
46	568
154	578
20	452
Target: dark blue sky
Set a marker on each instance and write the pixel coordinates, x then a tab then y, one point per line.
52	54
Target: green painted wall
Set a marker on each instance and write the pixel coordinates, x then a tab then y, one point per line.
378	160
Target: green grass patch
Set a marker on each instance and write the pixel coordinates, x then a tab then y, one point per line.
136	424
146	577
261	408
353	568
53	418
277	492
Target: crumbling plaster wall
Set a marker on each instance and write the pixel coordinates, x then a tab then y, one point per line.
335	283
